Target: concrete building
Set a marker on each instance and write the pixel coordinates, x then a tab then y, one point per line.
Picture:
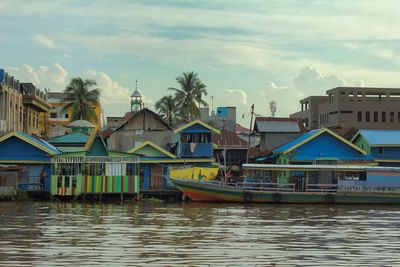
59	118
223	119
358	107
22	106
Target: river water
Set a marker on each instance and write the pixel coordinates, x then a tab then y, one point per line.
160	234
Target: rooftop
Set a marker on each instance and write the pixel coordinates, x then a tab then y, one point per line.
278	125
381	137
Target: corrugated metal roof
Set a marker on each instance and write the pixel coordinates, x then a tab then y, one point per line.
40	142
296	141
70	138
381	137
278	126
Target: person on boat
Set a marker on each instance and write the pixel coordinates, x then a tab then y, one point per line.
42	178
200	177
229	176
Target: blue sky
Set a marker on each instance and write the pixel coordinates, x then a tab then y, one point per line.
244	51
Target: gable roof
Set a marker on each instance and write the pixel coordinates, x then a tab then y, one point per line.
36	142
299	141
240	129
154	146
129	115
76	137
278	125
380	137
230	139
95	134
197	121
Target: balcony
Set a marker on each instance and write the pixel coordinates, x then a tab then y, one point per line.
196	150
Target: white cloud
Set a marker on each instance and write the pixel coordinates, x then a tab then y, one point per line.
308	82
52	77
311	81
235	98
44	41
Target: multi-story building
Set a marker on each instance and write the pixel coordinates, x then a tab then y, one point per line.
22	106
357	107
59	117
224	118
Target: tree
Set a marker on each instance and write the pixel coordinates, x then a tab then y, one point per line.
168	109
81	99
190	91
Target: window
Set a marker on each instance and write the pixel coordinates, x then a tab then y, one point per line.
367	116
375	116
383	116
346	111
53	115
398	116
380	150
359	116
391	116
66	115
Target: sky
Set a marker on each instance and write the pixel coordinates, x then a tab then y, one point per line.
246	52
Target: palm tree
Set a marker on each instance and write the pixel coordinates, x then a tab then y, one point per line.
200	91
81	99
168	109
191	89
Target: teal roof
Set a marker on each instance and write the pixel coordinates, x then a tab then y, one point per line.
70	138
381	137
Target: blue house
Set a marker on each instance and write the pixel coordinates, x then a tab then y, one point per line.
382	145
195	140
321	146
29	153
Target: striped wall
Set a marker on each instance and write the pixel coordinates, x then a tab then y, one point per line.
78	185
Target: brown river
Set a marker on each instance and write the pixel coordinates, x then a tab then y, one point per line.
194	234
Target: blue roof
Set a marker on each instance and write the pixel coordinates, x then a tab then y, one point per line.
296	141
381	137
40	142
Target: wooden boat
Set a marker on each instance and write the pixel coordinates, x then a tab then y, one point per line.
305	184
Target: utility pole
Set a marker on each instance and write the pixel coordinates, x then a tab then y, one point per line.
251	123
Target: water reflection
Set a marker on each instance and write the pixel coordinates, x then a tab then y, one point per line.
58	234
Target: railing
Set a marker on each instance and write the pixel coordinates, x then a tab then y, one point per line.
30	183
196	150
369	189
268	187
325	188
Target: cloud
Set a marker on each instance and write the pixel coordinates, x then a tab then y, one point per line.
308	82
52	77
311	81
44	41
235	98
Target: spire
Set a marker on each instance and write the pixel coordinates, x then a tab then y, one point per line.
136	99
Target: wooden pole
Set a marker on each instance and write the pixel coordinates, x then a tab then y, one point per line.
251	123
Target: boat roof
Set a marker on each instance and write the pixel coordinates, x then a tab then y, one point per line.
320	167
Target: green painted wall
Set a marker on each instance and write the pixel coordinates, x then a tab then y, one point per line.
150	152
363	144
98	148
283	176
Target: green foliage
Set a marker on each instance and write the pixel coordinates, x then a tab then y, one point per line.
190	92
82	98
167	108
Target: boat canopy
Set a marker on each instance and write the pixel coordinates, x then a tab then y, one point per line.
304	167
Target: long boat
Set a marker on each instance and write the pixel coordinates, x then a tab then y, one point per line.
303	184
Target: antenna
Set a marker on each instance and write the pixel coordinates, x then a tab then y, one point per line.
212	103
272	107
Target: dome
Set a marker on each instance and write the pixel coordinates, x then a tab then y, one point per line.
136	93
81	124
